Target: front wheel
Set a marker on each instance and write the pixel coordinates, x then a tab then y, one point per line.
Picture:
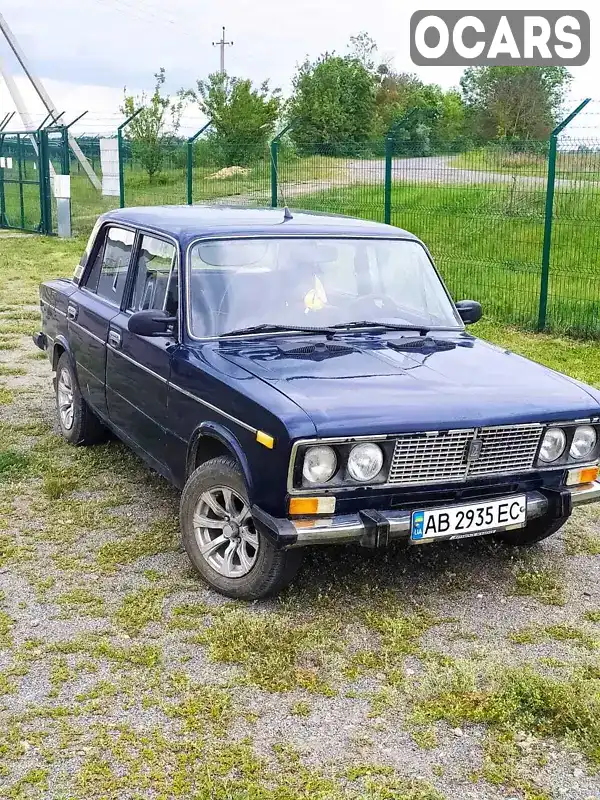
534	532
221	539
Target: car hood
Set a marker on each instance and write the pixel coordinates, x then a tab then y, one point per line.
366	385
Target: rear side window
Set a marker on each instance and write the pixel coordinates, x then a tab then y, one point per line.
109	271
155	275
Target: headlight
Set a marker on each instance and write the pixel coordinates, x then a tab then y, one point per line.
584	441
553	445
319	464
364	462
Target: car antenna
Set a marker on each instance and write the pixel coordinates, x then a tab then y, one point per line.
287	214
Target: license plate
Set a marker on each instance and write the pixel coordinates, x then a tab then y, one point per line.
473	519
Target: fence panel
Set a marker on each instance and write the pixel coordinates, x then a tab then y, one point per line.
482	216
574	278
232	172
20	200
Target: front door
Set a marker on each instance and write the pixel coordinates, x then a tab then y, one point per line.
137	368
92	307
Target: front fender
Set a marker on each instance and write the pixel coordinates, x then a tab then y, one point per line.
222	434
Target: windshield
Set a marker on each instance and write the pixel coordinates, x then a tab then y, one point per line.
239	283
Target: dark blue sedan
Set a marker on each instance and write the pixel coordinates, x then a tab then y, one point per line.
307	379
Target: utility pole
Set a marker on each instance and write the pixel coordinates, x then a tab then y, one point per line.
222	44
45	98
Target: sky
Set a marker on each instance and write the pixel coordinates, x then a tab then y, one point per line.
87	51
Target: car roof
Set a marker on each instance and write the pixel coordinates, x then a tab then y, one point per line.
189	222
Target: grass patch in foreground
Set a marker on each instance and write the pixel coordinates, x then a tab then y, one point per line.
276	654
521	699
544	584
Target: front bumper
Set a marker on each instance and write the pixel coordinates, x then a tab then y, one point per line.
376	528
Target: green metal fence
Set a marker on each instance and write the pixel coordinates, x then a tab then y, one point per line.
504	225
516	226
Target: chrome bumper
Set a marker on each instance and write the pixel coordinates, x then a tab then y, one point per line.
344	528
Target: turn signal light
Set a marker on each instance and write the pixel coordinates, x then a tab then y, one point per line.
585	475
300	506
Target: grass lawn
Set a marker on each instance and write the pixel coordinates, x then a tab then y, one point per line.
122	677
571	163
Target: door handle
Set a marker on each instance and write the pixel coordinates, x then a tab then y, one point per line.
72	311
114	338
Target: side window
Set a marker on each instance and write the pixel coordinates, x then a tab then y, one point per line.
155	276
109	271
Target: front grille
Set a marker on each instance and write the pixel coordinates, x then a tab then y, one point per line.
449	455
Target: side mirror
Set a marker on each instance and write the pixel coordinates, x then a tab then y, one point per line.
151	322
469	310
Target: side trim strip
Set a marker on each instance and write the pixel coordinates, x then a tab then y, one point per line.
214	408
184	392
89	333
58	310
136	363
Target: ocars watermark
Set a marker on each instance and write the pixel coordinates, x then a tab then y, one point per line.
500	38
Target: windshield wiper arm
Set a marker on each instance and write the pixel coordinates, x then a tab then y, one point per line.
267	327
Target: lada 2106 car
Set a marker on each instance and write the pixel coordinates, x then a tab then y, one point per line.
307	379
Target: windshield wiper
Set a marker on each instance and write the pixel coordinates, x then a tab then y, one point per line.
267	327
385	326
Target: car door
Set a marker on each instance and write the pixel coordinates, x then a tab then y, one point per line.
137	367
91	308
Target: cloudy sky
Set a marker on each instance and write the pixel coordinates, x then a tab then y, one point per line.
86	51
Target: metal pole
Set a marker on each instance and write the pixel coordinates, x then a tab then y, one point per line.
45	98
190	162
549	214
120	156
274	150
387	187
6	120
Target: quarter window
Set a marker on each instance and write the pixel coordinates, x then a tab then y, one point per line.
156	276
109	272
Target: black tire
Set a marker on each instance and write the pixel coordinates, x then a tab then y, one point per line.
85	428
531	534
272	569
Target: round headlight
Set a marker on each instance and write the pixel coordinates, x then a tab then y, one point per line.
365	462
584	441
319	464
553	444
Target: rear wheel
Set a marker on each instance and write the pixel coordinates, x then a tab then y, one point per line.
221	539
534	532
78	424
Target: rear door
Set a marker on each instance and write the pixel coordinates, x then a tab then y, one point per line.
137	369
91	308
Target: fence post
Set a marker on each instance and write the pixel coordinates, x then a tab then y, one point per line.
189	162
44	178
387	189
274	150
549	214
120	156
274	147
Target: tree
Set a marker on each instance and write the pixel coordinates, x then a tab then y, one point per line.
243	118
332	108
514	103
362	47
421	117
154	128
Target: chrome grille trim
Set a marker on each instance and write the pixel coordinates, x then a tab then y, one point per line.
441	456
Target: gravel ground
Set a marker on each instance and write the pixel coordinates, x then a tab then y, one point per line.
378	675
